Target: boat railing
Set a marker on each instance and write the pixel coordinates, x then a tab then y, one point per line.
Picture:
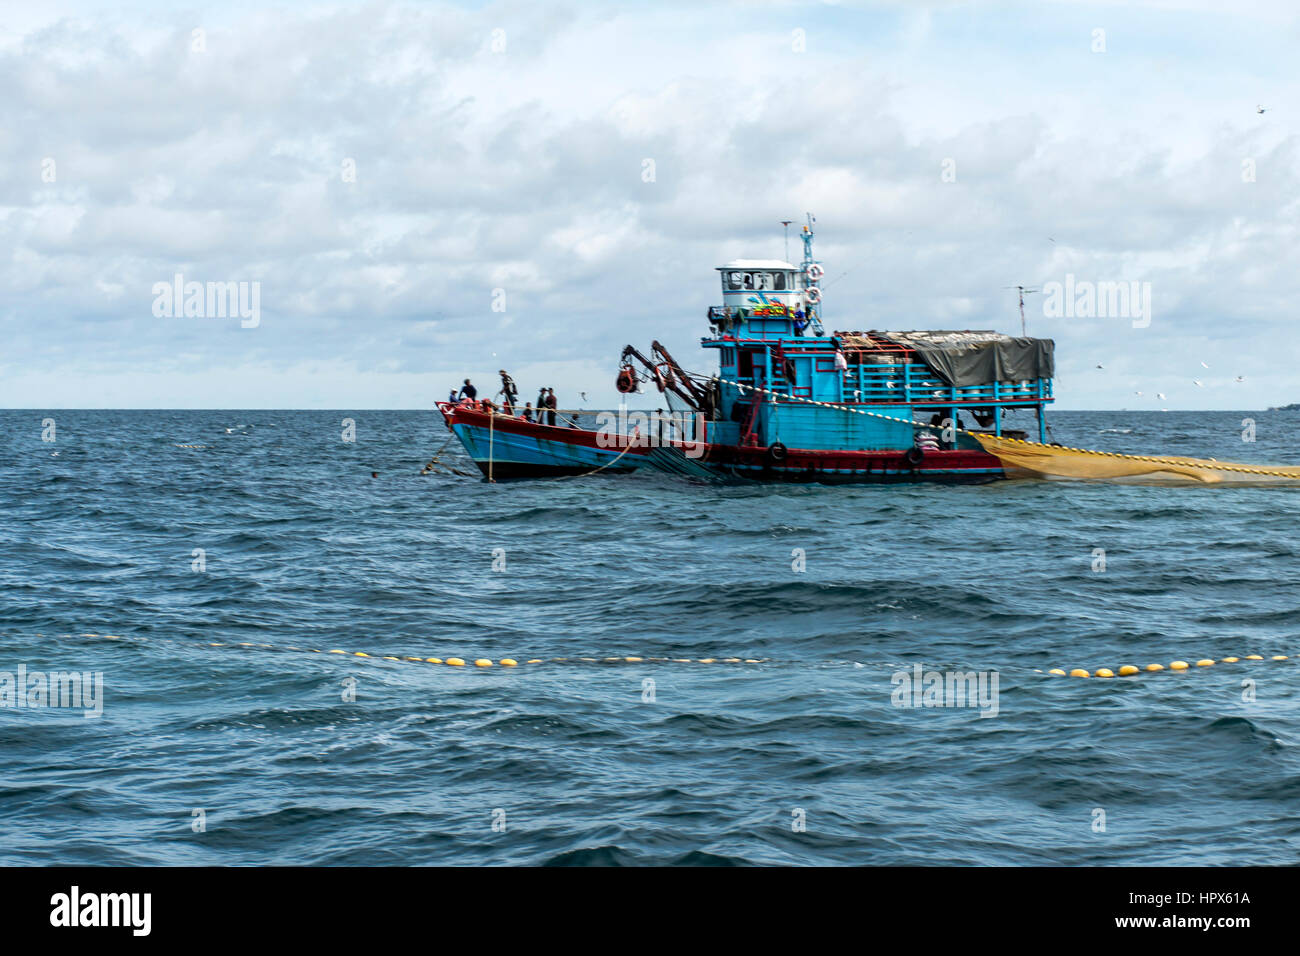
914	384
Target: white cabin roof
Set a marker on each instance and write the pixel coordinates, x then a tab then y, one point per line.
758	264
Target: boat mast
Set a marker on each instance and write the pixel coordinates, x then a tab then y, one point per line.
1023	292
810	283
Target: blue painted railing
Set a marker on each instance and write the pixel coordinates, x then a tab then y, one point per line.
913	384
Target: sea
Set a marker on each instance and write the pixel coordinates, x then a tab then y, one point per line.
705	674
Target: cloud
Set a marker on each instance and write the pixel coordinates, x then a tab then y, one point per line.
506	147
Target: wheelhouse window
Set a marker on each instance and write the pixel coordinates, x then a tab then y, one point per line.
757	281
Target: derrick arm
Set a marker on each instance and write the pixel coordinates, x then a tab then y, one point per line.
668	376
700	397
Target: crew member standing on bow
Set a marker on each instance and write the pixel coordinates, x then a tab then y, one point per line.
551	405
508	392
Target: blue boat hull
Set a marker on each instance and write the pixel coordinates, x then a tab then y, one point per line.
513	448
505	448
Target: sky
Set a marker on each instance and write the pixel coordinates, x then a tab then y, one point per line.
424	192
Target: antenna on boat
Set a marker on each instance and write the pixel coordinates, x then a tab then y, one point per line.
813	272
786	223
1023	292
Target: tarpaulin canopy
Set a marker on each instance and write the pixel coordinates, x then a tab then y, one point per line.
963	359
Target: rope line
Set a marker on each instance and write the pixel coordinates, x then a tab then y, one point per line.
612	461
434	460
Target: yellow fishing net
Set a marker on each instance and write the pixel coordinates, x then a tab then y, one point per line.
1029	459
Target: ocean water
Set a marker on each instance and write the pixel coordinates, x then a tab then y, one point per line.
225	754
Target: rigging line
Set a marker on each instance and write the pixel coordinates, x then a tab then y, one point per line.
629	447
434	460
828	284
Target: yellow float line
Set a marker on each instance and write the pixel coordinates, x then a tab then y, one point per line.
1125	670
479	661
1131	670
514	662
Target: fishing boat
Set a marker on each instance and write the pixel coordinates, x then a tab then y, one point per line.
789	401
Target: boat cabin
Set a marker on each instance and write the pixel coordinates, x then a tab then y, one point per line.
769	294
783	378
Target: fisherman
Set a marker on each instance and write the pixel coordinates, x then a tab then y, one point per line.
527	414
841	363
508	390
468	390
551	406
541	404
452	397
800	321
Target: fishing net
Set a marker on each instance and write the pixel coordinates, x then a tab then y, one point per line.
1031	460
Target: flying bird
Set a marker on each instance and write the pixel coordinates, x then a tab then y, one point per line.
1198	383
1241	378
1203	365
1260	109
1100	366
1160	395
